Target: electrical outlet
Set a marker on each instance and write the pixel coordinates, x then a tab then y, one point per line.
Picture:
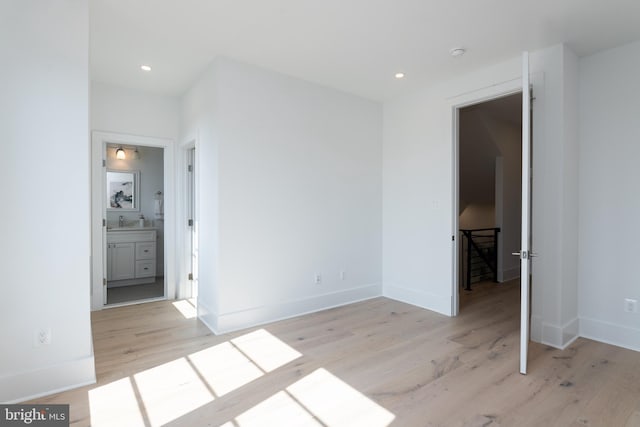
630	305
43	337
318	279
342	275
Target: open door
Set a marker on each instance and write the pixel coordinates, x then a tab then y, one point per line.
525	245
192	233
103	213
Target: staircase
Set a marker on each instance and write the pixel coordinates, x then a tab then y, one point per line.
479	255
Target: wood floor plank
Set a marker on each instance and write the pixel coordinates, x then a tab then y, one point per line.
409	366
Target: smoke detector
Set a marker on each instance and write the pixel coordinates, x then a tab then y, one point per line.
457	51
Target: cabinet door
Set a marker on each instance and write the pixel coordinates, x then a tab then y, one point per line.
123	262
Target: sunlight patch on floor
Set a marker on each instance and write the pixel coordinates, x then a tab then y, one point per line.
171	390
115	404
336	403
320	398
224	368
279	410
186	307
162	394
265	350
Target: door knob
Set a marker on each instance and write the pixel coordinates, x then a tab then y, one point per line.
527	255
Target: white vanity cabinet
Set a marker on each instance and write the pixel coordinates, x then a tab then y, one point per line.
121	261
131	256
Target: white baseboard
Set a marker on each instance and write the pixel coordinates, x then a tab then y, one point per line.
509	274
208	316
610	333
536	329
438	303
570	332
254	316
45	381
553	335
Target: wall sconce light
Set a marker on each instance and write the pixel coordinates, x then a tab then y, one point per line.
120	155
136	154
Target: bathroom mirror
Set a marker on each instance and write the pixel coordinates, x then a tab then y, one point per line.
123	190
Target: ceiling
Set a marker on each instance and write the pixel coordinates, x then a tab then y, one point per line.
352	45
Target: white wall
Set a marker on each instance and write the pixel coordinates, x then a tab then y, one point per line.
570	201
198	118
417	186
477	216
477	160
150	164
129	111
133	112
299	193
508	138
45	244
609	202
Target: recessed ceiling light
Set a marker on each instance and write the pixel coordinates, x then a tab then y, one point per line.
145	68
457	51
399	76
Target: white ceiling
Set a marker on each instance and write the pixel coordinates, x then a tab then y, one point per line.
352	45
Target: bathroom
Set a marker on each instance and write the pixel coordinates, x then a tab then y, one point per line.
135	223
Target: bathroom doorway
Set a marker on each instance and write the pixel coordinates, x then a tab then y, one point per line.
131	232
135	223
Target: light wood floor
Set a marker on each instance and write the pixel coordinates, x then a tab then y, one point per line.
374	363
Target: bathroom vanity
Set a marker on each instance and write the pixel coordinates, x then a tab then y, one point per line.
131	256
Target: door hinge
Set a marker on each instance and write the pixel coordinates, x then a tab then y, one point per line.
190	277
453	238
104	282
190	223
104	222
104	163
190	168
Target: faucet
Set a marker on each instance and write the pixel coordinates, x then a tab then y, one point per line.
121	221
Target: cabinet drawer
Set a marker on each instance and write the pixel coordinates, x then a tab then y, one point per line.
145	268
130	235
145	250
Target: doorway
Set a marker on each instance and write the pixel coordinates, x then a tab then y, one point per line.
523	85
135	224
133	250
489	197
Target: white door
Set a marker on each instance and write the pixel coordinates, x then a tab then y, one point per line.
525	245
191	212
106	276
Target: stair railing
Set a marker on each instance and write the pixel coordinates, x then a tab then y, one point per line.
480	255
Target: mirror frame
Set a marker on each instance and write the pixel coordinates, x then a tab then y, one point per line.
123	177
